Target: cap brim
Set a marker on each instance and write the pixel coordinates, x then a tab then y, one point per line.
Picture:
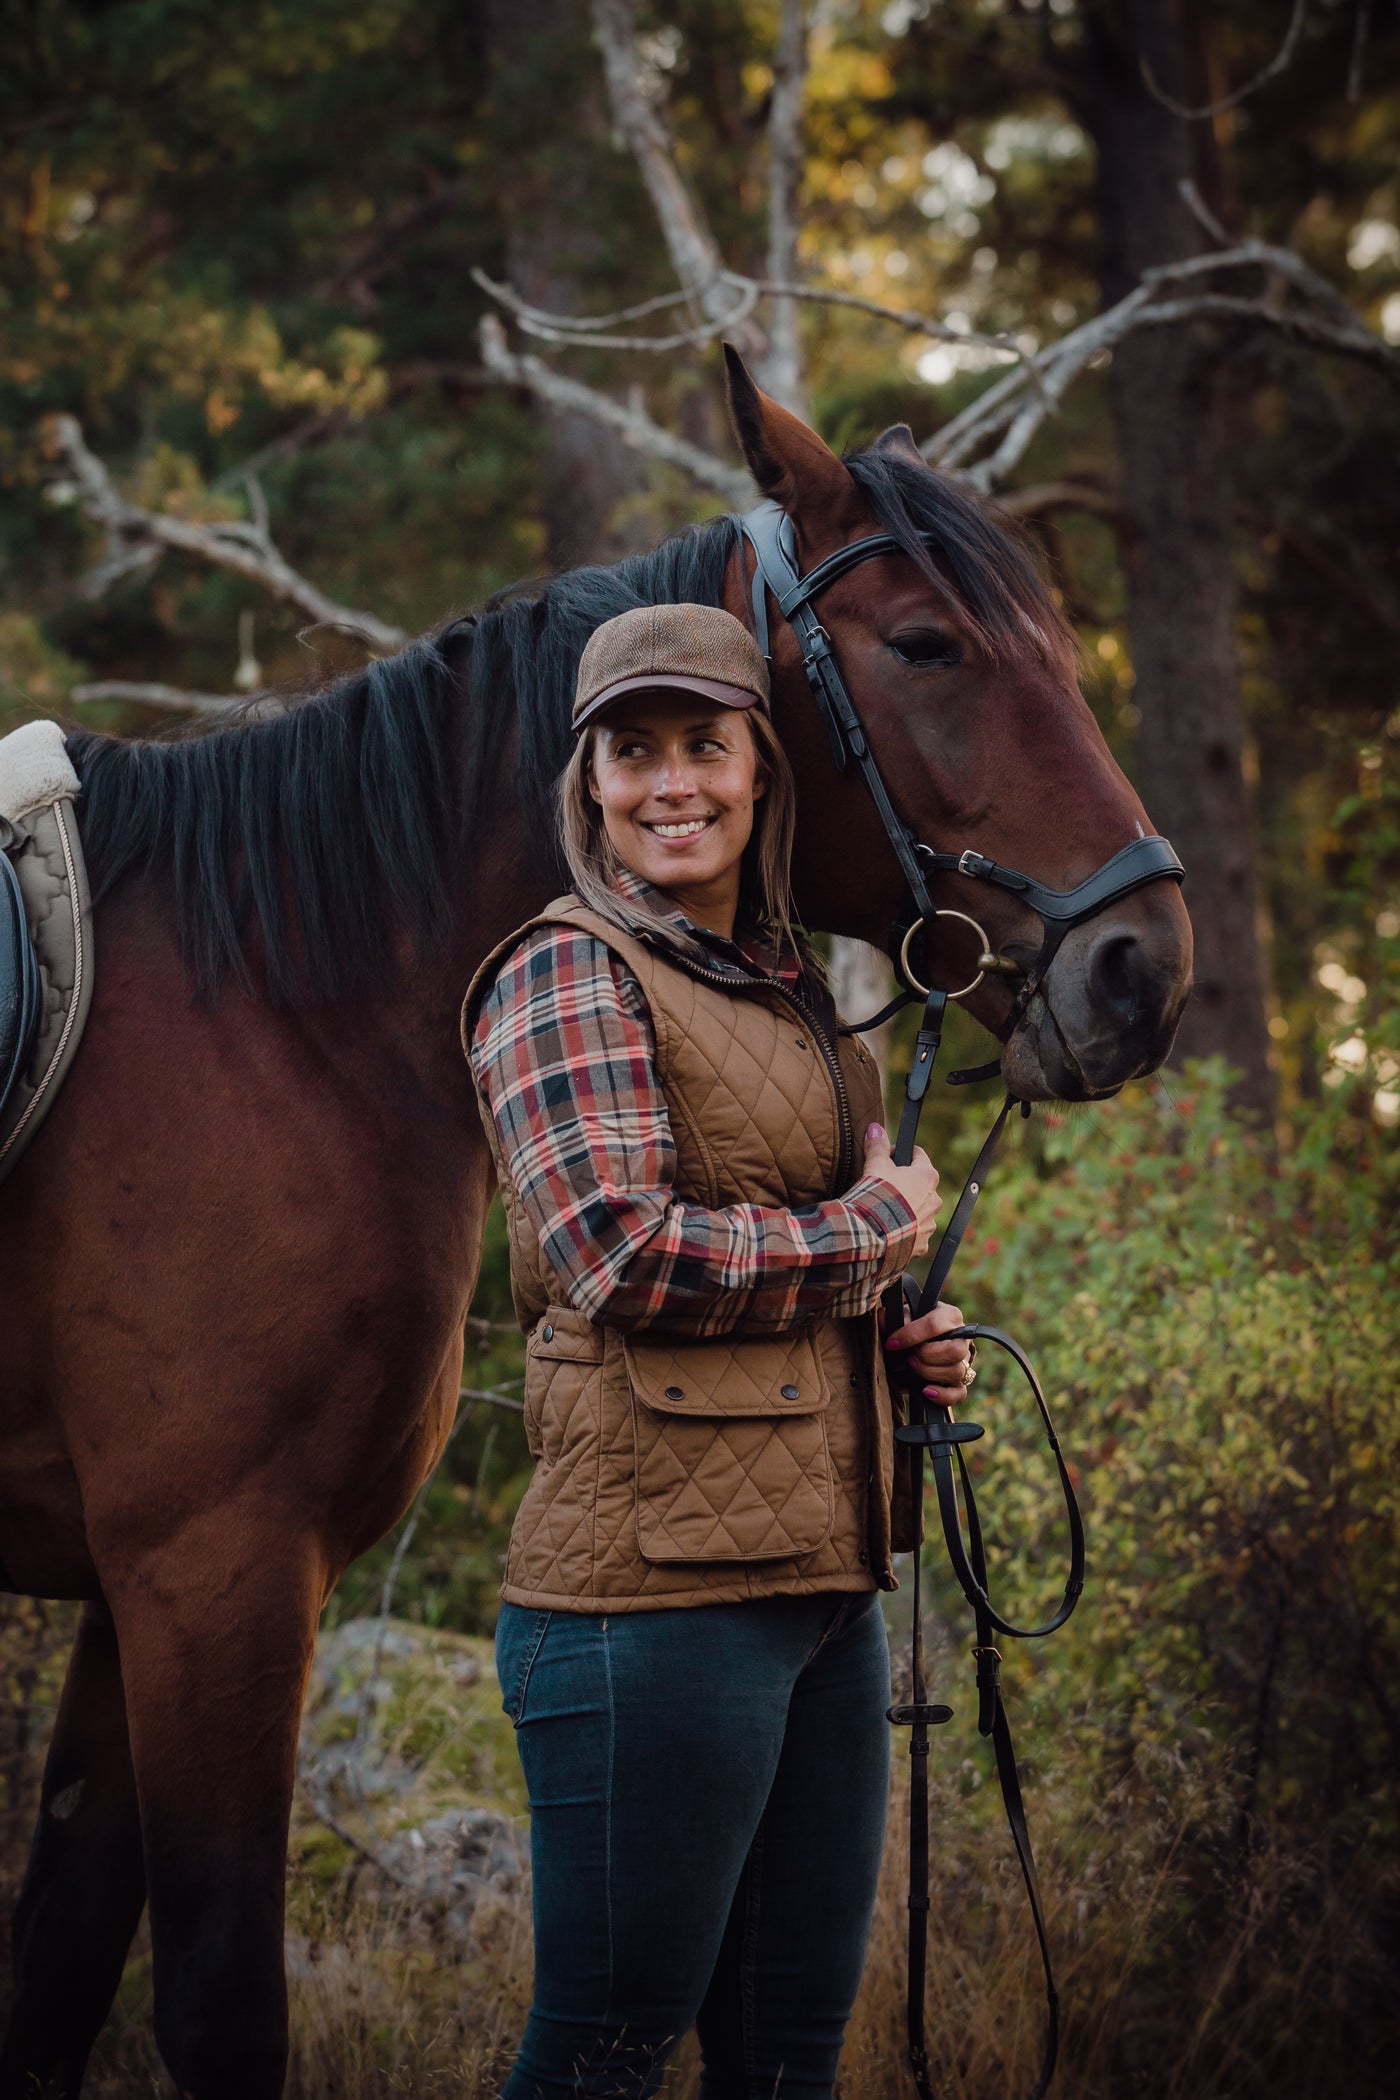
709	689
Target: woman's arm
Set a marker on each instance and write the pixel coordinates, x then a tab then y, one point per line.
564	1052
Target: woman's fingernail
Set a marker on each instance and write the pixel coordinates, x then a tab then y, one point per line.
894	1342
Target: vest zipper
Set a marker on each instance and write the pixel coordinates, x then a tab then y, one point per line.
845	1162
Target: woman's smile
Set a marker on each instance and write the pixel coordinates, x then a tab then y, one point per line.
669	828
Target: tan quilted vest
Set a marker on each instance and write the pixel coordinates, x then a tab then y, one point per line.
685	1472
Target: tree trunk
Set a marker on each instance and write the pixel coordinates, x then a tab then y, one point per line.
549	133
1173	419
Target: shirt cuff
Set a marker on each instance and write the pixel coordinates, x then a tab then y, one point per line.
882	1207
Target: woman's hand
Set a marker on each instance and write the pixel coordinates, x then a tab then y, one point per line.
917	1183
946	1365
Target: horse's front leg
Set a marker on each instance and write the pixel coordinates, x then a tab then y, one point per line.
216	1627
85	1884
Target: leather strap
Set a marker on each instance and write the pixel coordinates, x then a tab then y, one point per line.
1142	860
770	532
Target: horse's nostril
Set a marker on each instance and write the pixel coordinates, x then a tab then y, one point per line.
1117	975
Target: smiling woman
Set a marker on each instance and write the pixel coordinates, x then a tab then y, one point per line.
702	1215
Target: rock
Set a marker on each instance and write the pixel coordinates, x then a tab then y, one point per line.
454	1859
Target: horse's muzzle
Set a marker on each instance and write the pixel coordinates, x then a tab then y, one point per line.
1110	1005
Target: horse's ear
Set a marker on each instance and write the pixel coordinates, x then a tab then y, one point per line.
899	441
785	456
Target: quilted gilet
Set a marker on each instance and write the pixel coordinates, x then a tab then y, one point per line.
671	1471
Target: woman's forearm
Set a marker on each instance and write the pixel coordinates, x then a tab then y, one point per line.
707	1272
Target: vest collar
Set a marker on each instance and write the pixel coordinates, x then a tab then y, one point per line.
750	952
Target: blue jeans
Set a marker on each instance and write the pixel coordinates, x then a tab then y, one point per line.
707	1793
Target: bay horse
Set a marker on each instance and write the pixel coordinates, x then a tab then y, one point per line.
237	1262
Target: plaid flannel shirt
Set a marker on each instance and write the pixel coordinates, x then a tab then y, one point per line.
564	1051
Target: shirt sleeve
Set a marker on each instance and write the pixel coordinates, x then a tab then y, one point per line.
565	1055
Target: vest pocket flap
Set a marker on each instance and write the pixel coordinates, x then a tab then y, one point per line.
566	1336
772	1377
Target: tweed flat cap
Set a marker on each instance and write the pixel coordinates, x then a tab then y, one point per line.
698	648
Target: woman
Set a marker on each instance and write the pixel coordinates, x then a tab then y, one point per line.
703	1214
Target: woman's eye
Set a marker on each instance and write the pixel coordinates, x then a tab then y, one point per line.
926	646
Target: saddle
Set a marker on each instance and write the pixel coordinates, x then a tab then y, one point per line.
45	930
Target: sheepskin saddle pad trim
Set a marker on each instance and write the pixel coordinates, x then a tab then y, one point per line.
45	930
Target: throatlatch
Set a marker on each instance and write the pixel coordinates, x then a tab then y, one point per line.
933	1431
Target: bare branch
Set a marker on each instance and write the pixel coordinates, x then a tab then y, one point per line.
553	328
152	695
1201	211
1281	59
1004	409
1037	497
257	503
638	115
781	368
633	426
589	332
245	550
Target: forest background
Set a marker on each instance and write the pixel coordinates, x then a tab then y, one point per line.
253	372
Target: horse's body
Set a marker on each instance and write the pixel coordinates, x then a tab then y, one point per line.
237	1263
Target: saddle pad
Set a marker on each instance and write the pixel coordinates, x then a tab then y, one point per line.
39	837
19	979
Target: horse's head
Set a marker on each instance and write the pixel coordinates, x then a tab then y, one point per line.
963	672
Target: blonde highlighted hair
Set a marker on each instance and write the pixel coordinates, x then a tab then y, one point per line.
765	879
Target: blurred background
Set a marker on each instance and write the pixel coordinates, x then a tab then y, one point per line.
318	324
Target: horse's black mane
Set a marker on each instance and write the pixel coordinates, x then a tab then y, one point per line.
349	802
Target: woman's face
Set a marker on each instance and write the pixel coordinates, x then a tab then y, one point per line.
677	779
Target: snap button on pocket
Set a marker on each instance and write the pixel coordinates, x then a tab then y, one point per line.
675	1392
546	1333
790	1392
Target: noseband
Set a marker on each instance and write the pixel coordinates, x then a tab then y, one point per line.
769	531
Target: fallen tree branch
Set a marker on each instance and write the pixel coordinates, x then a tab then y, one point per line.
135	534
633	426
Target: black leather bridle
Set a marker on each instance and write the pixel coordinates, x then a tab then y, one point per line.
769	531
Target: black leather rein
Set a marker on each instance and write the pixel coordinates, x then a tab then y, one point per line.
933	1431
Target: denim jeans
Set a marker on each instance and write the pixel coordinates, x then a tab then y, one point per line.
707	1794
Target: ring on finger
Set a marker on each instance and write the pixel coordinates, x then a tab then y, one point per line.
969	1372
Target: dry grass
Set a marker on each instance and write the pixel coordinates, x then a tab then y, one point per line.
1186	1971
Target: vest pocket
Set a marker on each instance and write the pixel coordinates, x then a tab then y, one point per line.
732	1462
562	1357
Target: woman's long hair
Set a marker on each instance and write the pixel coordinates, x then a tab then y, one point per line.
765	878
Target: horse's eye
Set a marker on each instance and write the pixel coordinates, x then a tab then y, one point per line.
926	647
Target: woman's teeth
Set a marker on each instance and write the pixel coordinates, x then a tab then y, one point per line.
688	830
